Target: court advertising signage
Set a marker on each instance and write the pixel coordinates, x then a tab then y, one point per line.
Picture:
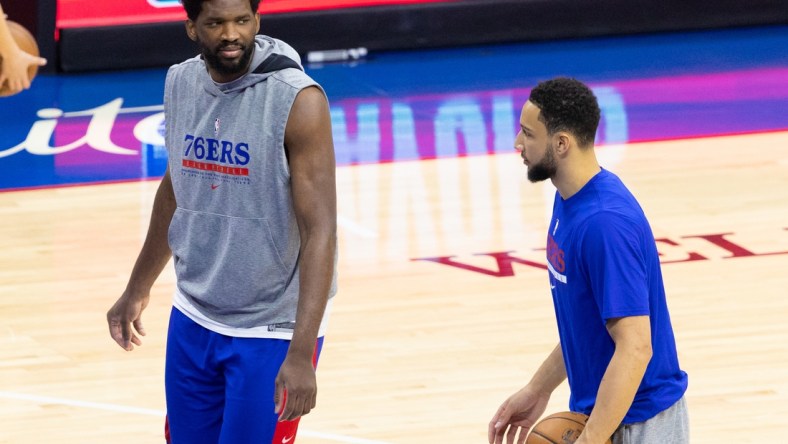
91	13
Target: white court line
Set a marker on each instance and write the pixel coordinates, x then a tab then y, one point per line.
355	228
85	404
337	438
159	413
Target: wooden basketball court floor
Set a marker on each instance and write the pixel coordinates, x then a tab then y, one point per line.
443	309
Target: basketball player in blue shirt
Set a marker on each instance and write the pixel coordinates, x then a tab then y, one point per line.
616	348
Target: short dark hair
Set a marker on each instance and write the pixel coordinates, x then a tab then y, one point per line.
194	7
568	105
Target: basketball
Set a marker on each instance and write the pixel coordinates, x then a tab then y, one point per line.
27	43
558	428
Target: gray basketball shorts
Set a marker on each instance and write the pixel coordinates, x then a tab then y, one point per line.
670	426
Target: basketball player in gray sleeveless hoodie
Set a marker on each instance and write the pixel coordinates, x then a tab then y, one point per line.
247	211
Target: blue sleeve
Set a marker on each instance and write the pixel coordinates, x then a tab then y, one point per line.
613	260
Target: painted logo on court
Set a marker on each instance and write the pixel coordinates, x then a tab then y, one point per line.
671	251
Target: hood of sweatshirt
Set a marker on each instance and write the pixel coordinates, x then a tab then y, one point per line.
270	56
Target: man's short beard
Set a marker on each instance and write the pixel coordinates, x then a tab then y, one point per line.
546	168
216	63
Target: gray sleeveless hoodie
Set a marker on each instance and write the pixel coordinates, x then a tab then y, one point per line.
234	236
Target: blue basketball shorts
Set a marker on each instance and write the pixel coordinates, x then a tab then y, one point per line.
220	389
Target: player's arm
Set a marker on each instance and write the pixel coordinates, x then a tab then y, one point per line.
152	259
15	61
521	411
309	142
632	336
551	373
